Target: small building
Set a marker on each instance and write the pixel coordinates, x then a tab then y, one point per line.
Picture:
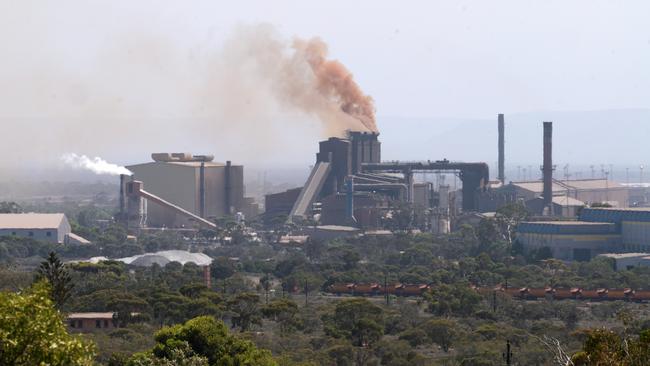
293	240
563	206
51	227
86	322
330	232
624	261
280	203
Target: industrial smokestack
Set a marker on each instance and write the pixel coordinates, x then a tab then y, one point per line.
502	175
547	168
123	213
228	187
202	190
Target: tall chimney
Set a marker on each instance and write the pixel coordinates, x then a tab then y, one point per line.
228	188
202	190
502	175
547	168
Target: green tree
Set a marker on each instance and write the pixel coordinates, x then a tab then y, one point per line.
457	299
245	309
222	268
32	331
206	337
358	320
180	355
440	332
58	277
282	311
605	347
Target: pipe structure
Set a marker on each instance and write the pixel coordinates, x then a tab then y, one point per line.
501	127
400	188
475	176
547	168
136	193
349	199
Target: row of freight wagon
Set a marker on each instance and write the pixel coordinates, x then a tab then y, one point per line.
525	293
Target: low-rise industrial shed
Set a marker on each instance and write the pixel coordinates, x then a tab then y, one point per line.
51	227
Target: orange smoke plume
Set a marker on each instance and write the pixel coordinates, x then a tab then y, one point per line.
336	83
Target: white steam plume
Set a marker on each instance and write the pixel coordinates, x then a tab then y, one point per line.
96	165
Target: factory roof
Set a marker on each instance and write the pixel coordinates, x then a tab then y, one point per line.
624	255
623	209
167	256
567	201
566	227
615	215
564	222
192	164
31	221
592	184
103	315
537	186
337	228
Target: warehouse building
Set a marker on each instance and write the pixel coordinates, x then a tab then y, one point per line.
632	223
570	240
568	195
599	231
50	227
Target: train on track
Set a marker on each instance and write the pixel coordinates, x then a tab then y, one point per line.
524	293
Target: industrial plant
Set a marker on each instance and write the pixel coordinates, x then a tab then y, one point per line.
350	190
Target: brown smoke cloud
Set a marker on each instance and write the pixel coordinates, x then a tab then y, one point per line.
297	75
335	82
255	98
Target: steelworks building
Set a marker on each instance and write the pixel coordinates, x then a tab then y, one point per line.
599	231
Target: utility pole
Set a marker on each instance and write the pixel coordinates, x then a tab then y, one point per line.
494	301
606	187
641	173
306	293
507	356
627	175
386	289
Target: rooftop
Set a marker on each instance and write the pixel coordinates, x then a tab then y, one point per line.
625	255
567	201
192	164
565	222
537	186
31	221
105	315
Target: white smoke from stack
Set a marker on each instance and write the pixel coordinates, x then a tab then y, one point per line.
96	165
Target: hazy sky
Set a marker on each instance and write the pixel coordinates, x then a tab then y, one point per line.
465	59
